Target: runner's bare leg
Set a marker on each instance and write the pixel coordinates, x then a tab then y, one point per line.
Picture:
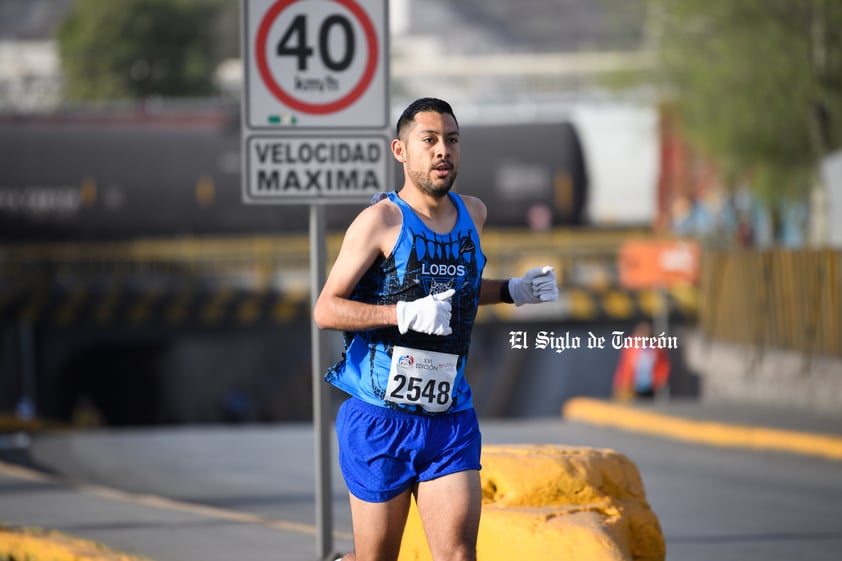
378	528
450	508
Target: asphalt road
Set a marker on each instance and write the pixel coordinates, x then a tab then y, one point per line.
713	503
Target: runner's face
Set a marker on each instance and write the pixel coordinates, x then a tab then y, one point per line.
432	153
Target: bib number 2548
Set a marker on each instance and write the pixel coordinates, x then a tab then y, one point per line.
422	378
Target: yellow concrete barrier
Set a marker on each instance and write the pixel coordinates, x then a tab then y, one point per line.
31	544
547	503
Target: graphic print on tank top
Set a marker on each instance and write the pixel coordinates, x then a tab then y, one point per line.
435	264
421	263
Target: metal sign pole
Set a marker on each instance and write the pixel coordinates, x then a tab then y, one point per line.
279	118
321	401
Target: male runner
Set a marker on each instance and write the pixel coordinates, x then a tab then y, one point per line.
405	289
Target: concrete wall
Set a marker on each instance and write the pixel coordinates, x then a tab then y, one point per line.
764	376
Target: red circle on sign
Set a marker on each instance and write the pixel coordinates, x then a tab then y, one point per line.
316	108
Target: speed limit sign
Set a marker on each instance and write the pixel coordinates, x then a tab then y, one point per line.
315	64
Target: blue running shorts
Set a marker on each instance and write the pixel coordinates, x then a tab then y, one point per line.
383	452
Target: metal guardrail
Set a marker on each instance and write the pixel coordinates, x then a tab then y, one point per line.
581	257
252	280
788	299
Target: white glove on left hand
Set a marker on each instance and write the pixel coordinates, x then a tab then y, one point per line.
536	286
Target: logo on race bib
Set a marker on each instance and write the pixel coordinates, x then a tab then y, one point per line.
406	361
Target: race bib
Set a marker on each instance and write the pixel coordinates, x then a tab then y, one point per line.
422	378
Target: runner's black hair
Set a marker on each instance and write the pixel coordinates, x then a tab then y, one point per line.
419	106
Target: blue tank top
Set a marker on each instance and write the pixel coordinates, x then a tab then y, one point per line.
422	262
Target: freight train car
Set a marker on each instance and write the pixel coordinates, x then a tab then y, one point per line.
82	177
141	342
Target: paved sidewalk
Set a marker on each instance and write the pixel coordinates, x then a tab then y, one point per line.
169	530
144	526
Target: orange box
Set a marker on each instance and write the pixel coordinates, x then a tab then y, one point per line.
658	263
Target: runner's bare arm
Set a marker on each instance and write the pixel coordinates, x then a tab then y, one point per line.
369	237
489	292
477	210
490	289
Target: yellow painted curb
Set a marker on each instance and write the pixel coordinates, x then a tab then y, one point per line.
713	433
31	544
11	423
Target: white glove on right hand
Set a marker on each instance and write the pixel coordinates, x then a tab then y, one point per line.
536	286
430	315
